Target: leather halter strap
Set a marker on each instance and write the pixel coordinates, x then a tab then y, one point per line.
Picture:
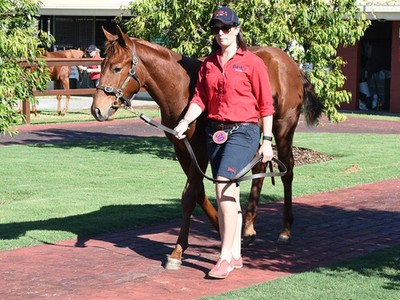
119	93
240	175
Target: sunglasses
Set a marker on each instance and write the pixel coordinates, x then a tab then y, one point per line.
225	29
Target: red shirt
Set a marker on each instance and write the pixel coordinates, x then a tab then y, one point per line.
238	92
94	75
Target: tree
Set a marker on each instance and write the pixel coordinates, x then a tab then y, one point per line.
319	26
19	39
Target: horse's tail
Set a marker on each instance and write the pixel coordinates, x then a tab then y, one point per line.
313	107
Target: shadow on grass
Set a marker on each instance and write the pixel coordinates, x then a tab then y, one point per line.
157	146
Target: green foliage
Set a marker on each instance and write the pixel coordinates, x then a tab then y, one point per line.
19	39
317	25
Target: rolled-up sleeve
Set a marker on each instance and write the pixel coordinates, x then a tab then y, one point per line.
200	94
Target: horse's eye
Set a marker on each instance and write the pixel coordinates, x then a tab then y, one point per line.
117	69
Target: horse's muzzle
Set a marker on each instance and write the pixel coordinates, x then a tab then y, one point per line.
99	116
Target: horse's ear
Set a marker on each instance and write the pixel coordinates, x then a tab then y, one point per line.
108	35
123	39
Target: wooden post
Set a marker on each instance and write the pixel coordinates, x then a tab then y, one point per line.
26	111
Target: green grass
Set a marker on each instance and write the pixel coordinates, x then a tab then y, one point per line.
373	116
373	276
57	191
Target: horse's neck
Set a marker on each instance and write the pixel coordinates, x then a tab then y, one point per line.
167	79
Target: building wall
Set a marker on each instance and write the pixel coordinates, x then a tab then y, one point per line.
351	54
395	69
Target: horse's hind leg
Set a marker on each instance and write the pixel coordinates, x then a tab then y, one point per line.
67	96
34	109
284	139
249	233
59	105
57	85
284	142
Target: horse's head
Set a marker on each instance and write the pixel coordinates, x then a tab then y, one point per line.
119	81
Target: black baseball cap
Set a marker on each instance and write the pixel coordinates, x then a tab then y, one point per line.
226	16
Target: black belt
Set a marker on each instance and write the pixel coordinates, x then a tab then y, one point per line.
227	125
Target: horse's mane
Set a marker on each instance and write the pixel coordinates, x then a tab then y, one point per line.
114	48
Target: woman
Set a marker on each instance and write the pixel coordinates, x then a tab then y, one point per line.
233	88
95	70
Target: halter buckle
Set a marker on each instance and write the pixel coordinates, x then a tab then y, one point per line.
117	103
119	94
132	72
108	89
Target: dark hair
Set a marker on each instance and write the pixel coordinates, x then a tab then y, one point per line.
239	39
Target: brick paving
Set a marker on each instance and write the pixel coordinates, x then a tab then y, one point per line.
329	227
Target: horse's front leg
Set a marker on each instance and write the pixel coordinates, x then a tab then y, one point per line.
249	233
174	260
193	193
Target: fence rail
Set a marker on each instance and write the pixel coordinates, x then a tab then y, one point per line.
54	62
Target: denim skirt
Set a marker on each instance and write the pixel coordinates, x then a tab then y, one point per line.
230	157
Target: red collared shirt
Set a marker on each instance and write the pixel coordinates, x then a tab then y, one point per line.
94	75
238	92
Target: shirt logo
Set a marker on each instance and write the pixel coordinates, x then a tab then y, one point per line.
239	68
232	170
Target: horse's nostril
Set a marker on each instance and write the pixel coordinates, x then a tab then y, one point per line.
99	116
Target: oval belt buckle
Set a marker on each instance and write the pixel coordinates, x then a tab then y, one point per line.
220	137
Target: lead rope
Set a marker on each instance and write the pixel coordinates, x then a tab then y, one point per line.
239	176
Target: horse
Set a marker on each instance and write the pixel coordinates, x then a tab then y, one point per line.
170	79
60	74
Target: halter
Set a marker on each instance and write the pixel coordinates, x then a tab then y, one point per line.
119	93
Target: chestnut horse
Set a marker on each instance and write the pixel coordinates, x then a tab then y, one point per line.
60	74
170	80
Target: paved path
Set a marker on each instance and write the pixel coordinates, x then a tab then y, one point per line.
328	228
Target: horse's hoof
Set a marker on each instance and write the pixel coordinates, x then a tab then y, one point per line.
172	264
247	240
283	239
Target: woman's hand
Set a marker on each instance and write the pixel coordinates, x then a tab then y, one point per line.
266	151
181	129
